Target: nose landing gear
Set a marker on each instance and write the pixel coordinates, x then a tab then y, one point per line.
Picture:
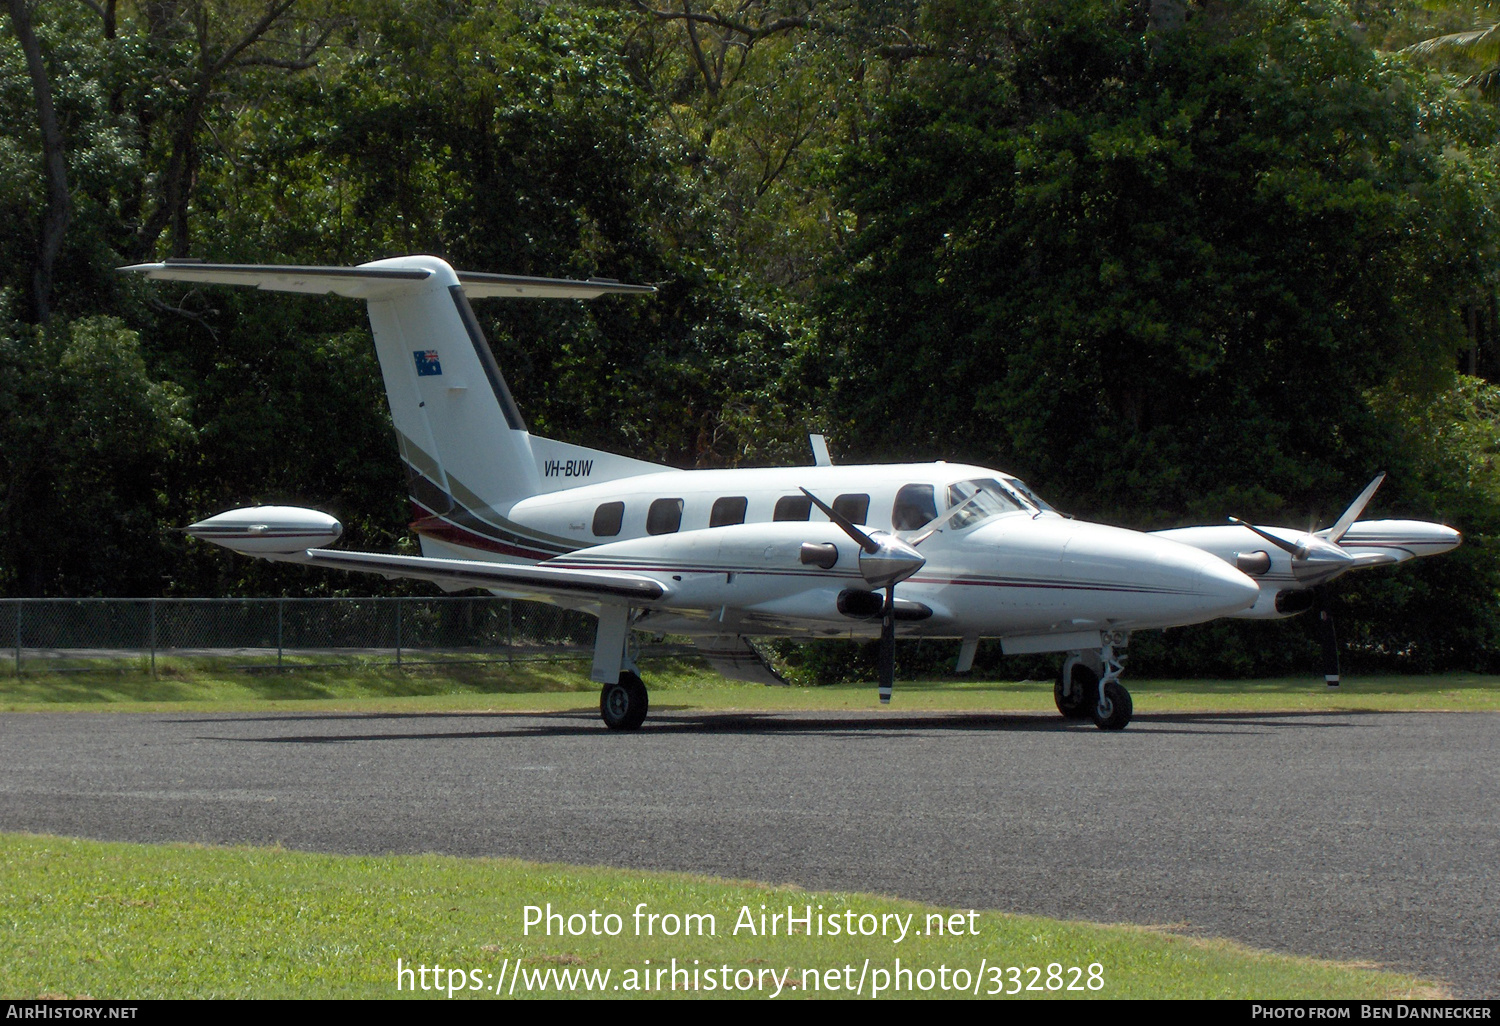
1088	686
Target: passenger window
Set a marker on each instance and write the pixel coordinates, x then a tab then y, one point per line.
853	508
727	511
607	519
915	506
664	516
792	507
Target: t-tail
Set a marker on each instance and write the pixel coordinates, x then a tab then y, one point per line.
468	454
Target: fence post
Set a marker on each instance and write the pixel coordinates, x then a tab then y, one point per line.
19	604
510	638
153	637
398	632
279	604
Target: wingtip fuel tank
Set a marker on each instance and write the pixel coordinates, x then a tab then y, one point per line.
268	530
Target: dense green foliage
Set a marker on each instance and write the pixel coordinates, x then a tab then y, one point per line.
1164	270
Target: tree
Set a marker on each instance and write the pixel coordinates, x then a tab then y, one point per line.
208	43
1126	268
1163	282
86	439
54	159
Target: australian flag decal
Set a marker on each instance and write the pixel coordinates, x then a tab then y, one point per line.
427	363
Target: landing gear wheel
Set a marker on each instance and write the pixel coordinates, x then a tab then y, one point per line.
1114	710
1078	703
623	703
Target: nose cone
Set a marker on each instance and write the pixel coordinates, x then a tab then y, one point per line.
1224	589
1163	583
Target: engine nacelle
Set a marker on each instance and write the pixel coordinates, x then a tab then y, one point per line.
268	530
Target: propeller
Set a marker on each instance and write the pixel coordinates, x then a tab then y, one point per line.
884	561
1318	557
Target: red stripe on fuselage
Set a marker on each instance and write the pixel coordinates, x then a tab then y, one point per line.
430	525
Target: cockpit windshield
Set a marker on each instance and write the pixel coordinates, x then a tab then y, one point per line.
1031	496
979	500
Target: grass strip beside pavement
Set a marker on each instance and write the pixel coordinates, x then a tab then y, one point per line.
185	685
129	921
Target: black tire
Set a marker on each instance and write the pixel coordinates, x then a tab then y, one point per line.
1079	704
1115	711
623	704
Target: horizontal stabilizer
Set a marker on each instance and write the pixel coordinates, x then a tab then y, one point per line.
503	286
379	282
539	582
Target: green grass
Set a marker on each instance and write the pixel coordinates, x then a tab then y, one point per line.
184	685
126	921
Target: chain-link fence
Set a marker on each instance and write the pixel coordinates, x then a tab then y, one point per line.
54	635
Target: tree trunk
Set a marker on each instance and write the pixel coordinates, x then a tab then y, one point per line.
59	198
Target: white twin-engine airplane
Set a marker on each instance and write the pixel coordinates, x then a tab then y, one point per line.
938	550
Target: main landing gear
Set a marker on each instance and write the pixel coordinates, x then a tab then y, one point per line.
623	704
1088	686
622	698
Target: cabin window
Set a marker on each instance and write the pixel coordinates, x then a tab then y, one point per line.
975	501
728	511
915	507
664	516
1031	496
853	508
607	519
792	507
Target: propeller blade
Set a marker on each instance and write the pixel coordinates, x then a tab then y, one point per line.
1280	543
862	539
1330	648
1350	515
886	656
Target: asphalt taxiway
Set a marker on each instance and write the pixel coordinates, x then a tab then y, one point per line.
1371	836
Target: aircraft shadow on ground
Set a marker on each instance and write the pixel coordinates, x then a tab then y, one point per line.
668	721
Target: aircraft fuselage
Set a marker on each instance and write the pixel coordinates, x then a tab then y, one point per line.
993	572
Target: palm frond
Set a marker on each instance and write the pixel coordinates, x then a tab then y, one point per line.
1480	43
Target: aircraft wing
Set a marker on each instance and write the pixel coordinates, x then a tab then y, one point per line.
526	581
377	282
1363	560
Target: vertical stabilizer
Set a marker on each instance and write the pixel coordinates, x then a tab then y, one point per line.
467	452
462	438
